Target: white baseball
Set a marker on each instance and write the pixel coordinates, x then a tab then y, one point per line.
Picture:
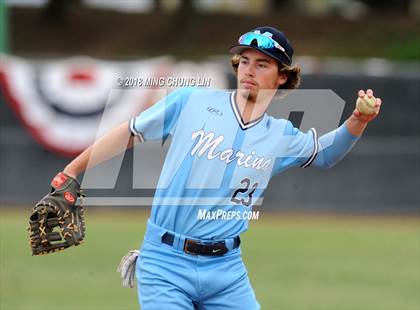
366	105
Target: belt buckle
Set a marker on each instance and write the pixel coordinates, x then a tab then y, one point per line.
187	243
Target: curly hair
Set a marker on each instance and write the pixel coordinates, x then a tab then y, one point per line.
292	72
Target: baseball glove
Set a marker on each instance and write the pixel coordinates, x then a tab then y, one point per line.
56	222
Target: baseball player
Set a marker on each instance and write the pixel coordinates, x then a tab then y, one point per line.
224	150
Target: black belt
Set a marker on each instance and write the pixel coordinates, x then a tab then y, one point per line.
194	247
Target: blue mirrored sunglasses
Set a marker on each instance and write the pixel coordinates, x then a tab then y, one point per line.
262	41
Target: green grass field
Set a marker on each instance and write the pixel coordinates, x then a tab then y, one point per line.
294	262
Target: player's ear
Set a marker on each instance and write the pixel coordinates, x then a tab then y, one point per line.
282	78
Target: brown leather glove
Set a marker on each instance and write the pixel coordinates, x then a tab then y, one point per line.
57	222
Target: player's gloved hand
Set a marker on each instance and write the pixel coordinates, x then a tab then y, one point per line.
367	106
57	221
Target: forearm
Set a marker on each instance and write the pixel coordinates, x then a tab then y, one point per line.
337	143
334	145
355	125
111	144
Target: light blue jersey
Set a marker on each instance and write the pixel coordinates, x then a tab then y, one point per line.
217	162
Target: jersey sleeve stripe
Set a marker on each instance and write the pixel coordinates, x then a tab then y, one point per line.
133	130
315	152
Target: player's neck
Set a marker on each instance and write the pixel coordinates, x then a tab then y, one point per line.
249	108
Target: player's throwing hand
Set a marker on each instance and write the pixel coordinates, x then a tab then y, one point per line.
367	106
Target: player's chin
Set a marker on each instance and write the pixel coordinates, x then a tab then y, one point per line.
248	92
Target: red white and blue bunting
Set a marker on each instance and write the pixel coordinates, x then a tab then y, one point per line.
68	103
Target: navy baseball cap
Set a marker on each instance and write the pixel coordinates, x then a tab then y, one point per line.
267	40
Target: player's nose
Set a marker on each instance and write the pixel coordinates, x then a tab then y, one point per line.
249	71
